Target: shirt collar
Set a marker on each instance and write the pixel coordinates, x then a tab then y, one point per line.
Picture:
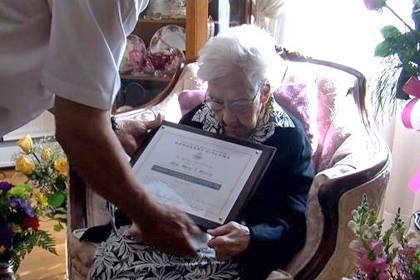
274	116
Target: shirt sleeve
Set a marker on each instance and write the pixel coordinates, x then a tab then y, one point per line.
87	42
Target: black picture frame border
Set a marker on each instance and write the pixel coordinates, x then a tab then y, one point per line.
248	190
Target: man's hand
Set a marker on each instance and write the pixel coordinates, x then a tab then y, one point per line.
167	229
131	132
229	240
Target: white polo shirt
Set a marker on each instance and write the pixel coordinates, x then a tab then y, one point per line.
71	48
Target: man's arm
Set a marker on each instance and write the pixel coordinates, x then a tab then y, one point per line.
94	151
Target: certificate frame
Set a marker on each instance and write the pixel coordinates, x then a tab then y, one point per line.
244	191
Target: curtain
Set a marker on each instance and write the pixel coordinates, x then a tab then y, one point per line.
346	32
269	15
224	14
405	149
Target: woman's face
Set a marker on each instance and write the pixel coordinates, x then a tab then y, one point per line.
236	107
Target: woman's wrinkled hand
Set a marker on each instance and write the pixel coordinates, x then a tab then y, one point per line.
229	240
131	132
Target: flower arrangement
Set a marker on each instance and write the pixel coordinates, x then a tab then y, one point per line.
401	53
383	255
46	167
20	207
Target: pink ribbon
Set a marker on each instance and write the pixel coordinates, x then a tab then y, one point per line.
411	111
412	87
406	113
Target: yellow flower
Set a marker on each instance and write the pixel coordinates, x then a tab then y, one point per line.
62	166
25	165
41	199
46	154
26	144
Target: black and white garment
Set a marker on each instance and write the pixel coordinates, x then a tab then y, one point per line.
275	215
122	258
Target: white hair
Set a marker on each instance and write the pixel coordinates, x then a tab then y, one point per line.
246	48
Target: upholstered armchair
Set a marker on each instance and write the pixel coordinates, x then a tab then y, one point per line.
349	157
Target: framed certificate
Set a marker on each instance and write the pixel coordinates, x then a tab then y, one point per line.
210	177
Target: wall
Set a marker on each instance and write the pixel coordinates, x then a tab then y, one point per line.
40	127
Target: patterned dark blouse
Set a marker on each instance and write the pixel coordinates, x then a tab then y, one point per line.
276	213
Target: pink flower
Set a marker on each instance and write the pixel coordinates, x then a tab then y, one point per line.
408	253
394	254
366	265
374	269
377	247
381	264
399	267
383	276
357	246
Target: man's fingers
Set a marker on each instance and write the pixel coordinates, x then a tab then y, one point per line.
184	220
137	129
191	227
154	123
169	231
190	250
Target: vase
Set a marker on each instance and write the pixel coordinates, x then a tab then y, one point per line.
158	8
6	271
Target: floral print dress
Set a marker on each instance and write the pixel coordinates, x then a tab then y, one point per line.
122	258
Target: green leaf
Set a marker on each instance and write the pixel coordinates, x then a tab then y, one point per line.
28	241
58	227
45	241
57	199
390	32
384	49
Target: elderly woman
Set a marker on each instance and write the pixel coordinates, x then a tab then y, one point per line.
241	68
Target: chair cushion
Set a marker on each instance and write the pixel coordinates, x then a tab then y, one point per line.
300	100
188	99
339	134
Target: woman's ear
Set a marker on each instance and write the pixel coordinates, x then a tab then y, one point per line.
265	92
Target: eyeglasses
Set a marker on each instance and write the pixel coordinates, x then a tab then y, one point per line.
238	106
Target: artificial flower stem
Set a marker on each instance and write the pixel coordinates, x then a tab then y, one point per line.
36	157
395	14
